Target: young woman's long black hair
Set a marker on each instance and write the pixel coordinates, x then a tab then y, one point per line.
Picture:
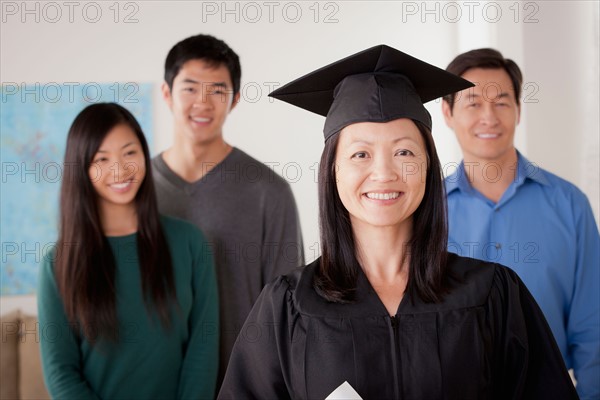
335	279
84	262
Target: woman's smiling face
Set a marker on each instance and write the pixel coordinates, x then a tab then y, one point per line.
381	171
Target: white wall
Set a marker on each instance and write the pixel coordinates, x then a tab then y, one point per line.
559	53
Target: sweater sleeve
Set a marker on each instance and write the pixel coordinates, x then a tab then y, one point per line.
283	238
60	350
261	354
201	359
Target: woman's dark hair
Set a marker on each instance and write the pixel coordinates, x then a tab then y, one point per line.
213	51
486	59
84	263
336	277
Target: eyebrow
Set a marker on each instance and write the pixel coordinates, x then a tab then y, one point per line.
502	95
220	84
360	141
122	147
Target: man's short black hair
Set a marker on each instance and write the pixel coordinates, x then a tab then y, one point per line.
485	59
213	51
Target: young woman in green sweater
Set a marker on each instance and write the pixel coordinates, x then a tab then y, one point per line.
127	301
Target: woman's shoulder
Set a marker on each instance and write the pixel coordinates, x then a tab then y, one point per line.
174	223
478	274
469	271
470	281
294	288
294	282
180	229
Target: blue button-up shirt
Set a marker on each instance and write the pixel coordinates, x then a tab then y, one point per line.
544	229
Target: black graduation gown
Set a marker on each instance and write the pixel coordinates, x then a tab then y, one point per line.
487	340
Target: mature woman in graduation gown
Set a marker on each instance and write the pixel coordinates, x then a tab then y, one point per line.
386	312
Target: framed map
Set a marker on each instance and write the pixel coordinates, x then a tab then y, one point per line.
33	131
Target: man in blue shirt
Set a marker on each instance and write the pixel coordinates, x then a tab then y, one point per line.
506	209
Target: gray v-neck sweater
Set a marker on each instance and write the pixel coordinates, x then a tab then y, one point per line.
250	219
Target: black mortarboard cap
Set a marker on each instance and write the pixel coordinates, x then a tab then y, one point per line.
379	84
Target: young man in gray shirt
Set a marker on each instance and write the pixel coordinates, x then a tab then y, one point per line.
247	212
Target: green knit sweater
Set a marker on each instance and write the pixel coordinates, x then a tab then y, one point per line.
147	362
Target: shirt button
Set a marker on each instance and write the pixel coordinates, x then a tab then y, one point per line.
498	246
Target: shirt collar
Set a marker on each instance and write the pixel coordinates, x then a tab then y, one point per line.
529	170
525	170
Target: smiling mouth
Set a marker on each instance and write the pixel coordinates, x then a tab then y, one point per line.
122	185
487	135
201	120
382	196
